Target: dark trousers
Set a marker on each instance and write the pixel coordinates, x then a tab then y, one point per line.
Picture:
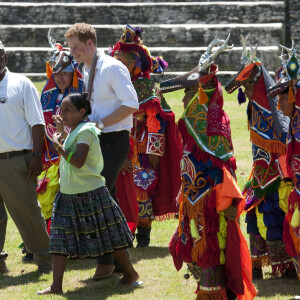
115	148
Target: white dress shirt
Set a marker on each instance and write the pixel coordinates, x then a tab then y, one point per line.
112	88
20	110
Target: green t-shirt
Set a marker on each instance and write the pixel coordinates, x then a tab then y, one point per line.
87	178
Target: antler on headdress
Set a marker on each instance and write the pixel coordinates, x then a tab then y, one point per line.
52	42
253	51
207	58
289	50
244	51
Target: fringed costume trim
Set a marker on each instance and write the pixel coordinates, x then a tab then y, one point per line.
211	295
281	269
144	223
165	217
195	213
259	262
271	146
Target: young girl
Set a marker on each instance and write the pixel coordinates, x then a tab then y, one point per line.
86	222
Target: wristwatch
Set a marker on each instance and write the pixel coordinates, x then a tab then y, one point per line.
36	154
100	125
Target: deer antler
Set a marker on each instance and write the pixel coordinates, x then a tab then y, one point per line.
289	50
283	58
51	41
207	58
215	42
244	52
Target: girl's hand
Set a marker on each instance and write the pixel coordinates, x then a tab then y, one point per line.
59	123
56	139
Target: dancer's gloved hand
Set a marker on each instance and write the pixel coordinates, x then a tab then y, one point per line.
127	166
153	160
231	212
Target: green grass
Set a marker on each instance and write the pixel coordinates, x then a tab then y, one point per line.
155	266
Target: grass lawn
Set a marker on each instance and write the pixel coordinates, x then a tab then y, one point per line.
155	266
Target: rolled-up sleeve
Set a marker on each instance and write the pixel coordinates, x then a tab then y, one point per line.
33	108
121	83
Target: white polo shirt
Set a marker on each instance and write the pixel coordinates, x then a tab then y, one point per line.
112	88
20	109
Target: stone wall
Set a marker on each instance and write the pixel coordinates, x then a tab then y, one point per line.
178	30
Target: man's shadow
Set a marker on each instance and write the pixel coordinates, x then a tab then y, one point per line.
24	278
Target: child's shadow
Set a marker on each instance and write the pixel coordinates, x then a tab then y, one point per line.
136	254
100	290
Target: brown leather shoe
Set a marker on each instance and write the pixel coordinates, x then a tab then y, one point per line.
103	271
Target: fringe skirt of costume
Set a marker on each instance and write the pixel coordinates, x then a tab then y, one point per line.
87	225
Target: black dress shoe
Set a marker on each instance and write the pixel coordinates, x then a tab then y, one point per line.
28	257
257	274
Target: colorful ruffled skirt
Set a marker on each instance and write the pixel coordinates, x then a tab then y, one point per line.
87	225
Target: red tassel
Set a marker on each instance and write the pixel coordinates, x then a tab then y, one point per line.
75	80
48	70
42	187
202	95
291	96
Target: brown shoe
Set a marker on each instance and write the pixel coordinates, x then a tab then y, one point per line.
3	267
103	271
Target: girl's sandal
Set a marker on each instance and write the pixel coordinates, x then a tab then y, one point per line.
48	291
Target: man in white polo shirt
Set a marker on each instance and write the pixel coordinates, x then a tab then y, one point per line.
21	142
113	101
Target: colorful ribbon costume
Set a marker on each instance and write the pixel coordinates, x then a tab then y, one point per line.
211	244
265	192
288	84
154	133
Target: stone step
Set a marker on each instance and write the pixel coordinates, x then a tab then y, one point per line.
143	13
32	60
177	35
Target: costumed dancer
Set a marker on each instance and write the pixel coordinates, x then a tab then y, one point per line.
288	87
155	138
208	237
63	78
265	192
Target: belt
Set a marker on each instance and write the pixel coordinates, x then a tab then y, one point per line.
8	155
